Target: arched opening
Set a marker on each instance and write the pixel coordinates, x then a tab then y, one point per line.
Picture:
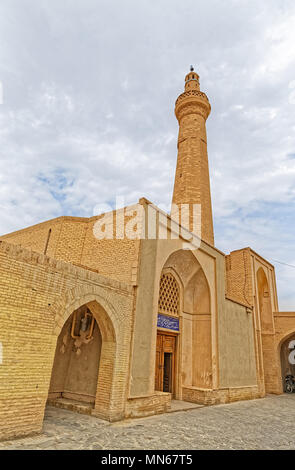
77	357
287	356
270	359
83	369
168	327
264	300
184	293
197	302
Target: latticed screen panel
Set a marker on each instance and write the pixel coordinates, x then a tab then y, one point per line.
169	295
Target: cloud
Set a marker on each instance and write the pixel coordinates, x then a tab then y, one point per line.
87	115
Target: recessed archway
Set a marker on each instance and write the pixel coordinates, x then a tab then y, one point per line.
287	357
264	300
106	355
76	363
194	342
270	363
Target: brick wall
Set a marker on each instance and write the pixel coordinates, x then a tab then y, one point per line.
37	295
239	277
71	239
223	395
154	404
36	236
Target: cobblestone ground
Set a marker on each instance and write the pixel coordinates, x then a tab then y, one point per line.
258	424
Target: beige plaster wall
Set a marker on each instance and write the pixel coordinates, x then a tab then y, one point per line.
142	378
236	346
152	259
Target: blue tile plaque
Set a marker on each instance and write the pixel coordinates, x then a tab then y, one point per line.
170	323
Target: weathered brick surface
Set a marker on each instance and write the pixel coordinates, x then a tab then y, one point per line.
72	239
147	406
239	277
37	295
222	395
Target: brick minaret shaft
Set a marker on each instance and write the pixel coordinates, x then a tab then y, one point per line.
192	183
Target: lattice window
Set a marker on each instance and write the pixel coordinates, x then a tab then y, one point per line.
169	295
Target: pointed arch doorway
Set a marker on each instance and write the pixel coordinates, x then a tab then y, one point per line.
76	364
167	340
113	365
184	305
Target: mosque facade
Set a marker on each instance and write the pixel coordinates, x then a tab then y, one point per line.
118	314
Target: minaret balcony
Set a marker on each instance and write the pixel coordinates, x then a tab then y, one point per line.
190	102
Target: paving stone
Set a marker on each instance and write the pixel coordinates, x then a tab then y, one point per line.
255	424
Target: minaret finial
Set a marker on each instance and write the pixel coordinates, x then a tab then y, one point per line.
192	80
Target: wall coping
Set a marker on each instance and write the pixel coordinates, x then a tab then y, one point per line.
248	248
284	314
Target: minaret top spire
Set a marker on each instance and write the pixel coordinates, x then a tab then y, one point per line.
192	80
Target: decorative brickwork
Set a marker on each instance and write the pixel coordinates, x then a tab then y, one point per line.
169	295
239	277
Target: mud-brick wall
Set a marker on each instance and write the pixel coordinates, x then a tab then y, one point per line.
40	237
31	286
239	277
72	239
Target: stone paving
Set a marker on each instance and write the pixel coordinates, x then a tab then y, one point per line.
257	424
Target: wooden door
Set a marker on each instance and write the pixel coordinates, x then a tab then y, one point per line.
159	363
165	363
167	373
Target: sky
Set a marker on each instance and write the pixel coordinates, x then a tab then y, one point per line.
87	93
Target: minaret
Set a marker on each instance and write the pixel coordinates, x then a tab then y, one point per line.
192	183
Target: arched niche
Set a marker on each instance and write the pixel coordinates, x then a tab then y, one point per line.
76	363
197	294
195	343
264	301
287	356
84	363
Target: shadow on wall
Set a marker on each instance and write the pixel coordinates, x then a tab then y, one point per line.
195	363
77	358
